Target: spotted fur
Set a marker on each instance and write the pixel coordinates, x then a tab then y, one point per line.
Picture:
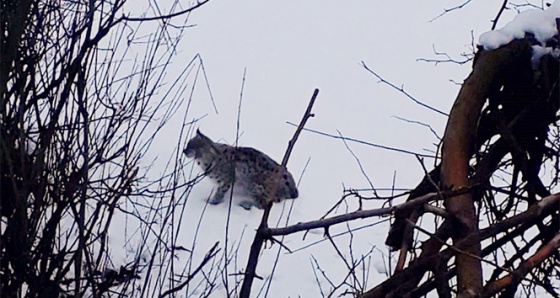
251	172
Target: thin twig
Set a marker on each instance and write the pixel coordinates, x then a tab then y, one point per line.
277	258
237	128
261	236
164	17
401	89
448	58
300	127
209	256
421	124
359	163
447	10
364	142
495	20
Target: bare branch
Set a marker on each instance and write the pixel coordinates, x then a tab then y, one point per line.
447	59
422	124
209	256
260	237
168	16
538	257
364	142
497	18
360	214
401	89
448	10
300	127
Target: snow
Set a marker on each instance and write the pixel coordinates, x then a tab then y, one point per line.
541	23
285	61
294	268
539	51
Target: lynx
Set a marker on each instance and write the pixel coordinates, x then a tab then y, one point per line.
252	173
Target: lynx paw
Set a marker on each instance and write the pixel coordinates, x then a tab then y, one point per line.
246	204
215	201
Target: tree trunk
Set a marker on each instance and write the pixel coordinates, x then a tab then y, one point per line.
457	148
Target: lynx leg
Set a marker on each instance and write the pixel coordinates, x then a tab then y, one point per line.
259	194
220	193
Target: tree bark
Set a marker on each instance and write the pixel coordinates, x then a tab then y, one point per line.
457	147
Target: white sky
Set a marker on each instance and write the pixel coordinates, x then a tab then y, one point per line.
289	48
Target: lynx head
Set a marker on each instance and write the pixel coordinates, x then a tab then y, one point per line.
199	145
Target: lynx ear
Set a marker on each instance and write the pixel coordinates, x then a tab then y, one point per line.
205	138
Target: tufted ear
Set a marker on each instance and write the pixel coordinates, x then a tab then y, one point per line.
206	140
203	137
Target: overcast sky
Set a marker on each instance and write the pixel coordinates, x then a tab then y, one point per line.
289	48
